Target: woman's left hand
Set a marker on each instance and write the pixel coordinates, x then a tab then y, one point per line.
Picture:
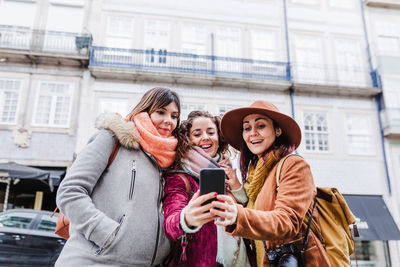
232	181
225	209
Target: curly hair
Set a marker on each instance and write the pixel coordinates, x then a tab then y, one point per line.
183	134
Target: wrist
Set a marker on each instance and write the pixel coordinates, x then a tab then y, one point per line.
184	226
236	186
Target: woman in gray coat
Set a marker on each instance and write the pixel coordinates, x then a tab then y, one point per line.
114	211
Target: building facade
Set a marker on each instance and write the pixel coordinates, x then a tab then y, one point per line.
309	57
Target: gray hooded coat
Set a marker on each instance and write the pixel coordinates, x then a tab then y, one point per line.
115	213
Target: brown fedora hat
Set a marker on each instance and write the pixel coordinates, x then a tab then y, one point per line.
232	123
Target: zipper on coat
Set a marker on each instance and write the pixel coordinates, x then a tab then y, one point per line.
158	217
133	178
100	250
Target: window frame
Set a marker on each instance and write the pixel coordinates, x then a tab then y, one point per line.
53	105
372	150
113	100
119	36
196	107
328	132
18	102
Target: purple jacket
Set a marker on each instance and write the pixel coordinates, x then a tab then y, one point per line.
201	249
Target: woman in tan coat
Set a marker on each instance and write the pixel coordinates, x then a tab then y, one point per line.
265	136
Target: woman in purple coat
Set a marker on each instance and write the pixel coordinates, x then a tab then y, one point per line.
186	221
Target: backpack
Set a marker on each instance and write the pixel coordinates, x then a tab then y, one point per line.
335	217
62	225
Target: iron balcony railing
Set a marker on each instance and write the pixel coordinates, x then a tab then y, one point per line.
166	61
22	38
390	118
353	76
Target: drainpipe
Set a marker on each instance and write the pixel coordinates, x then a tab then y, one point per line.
289	77
376	83
288	66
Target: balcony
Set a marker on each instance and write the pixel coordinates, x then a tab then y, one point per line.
335	80
163	66
24	45
391	122
383	3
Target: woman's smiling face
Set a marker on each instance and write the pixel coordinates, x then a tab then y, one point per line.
204	134
165	119
259	133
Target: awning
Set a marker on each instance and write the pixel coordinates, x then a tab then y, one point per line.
13	173
56	174
374	220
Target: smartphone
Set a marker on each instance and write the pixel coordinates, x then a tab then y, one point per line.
212	180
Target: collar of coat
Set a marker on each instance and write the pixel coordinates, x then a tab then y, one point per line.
124	131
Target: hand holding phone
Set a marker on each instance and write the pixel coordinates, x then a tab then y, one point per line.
212	180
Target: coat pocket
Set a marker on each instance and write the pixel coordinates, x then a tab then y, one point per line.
110	243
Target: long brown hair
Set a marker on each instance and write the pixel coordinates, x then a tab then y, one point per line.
247	158
156	98
184	143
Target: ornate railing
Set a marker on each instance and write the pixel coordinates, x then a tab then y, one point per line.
21	38
333	75
163	60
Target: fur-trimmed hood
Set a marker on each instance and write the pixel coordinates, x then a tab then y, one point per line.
124	131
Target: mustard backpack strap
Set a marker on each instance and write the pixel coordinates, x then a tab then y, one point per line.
279	169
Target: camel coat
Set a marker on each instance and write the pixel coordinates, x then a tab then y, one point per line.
278	217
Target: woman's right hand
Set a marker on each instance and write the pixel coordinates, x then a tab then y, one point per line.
195	213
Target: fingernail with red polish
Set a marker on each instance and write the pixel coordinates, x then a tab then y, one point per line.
215	194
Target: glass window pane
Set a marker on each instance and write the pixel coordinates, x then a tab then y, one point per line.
47	223
17	219
316	132
54	104
156	34
359	135
9	97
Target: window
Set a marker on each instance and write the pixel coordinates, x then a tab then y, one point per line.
359	136
263	45
119	31
157	34
228	44
17	13
60	12
316	132
156	41
9	98
391	93
193	39
20	220
53	104
188	107
342	3
47	223
350	67
370	253
113	105
223	109
193	42
308	63
388	36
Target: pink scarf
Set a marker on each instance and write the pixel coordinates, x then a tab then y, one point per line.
163	149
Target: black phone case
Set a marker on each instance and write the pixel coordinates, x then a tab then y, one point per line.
212	180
